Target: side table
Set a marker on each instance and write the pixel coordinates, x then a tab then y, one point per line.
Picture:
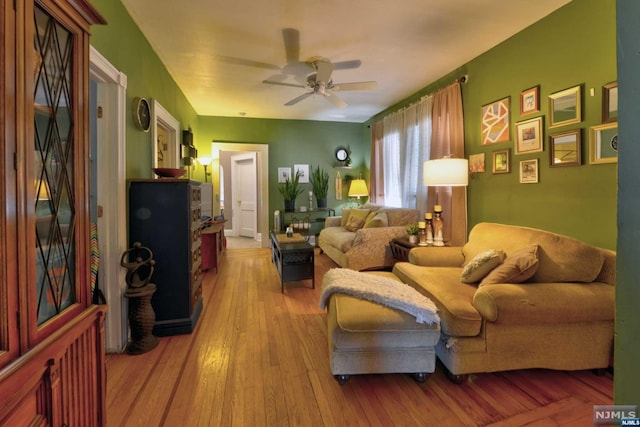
293	257
400	248
213	244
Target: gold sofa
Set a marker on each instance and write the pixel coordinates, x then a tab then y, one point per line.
365	247
562	317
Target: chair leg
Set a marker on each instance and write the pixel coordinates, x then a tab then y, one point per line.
342	379
420	377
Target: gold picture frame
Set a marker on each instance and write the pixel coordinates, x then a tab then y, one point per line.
610	102
476	163
603	143
529	136
565	148
502	161
565	107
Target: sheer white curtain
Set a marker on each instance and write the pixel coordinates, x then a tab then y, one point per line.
405	146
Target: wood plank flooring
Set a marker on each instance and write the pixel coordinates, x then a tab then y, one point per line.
259	357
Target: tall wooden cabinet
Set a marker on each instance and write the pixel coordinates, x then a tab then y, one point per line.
165	216
51	337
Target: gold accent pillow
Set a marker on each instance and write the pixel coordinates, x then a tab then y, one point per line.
481	265
517	268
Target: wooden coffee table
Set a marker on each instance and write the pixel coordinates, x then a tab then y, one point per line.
293	258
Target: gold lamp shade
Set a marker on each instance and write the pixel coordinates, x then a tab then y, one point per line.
358	188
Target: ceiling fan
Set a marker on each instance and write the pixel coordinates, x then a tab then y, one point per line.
320	82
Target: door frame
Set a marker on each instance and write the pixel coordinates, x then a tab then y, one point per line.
111	196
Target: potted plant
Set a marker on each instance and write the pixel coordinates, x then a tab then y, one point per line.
290	190
412	231
320	184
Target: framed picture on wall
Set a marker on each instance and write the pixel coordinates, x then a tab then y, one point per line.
530	100
502	161
610	102
495	121
476	163
565	148
565	107
529	171
603	143
529	136
284	174
304	173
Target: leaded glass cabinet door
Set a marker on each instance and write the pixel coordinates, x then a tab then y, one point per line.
58	279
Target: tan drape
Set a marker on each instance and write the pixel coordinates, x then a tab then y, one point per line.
447	139
376	191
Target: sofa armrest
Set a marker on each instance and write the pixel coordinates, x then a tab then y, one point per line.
376	236
332	221
432	256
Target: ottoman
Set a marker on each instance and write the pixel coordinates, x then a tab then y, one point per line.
369	338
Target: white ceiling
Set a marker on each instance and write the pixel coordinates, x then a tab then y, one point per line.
220	51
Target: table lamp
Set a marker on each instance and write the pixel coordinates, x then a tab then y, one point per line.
446	172
358	188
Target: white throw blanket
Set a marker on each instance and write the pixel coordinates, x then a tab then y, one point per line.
378	289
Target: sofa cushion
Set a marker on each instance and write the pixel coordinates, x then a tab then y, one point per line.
518	267
401	216
454	299
538	303
354	223
481	265
561	258
345	216
338	237
376	219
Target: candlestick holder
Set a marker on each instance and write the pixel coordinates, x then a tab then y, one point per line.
438	226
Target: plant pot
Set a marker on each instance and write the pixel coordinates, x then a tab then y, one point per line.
413	239
322	203
289	205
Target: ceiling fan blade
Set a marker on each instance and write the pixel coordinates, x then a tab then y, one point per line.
335	100
299	98
271	82
245	62
325	68
355	86
291	38
345	65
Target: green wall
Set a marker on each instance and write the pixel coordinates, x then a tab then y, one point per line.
290	142
575	45
122	43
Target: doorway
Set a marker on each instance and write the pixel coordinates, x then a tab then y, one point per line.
245	197
108	122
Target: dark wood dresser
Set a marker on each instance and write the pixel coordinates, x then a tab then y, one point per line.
164	215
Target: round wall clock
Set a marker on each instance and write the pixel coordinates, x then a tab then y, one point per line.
141	114
342	154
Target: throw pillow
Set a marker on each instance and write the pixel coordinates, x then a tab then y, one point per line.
481	265
354	223
517	268
376	219
345	217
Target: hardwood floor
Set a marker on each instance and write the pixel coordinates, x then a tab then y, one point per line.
260	358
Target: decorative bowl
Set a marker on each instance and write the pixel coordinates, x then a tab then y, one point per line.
169	172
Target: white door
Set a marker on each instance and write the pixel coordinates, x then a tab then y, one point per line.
244	189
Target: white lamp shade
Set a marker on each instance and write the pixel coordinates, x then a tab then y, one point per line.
205	161
446	172
358	188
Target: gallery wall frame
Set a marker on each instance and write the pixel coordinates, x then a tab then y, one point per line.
603	143
283	174
304	173
565	148
610	102
530	100
502	161
565	107
529	171
476	163
495	121
529	135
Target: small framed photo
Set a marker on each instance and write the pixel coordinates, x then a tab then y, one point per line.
304	173
284	174
603	143
495	121
530	100
529	136
529	171
565	148
476	163
565	107
610	102
502	161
